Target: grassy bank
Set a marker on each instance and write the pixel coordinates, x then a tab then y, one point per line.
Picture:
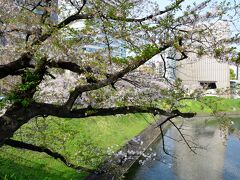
210	105
85	142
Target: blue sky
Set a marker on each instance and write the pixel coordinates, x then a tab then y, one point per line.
164	3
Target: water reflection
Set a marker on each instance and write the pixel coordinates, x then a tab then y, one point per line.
208	162
218	158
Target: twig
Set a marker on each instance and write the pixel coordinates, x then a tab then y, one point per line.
182	136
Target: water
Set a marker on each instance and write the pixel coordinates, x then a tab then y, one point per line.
218	154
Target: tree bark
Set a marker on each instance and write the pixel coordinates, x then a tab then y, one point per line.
55	155
16	116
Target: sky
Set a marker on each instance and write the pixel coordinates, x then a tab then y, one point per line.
164	3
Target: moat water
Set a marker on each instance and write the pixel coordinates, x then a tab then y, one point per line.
217	154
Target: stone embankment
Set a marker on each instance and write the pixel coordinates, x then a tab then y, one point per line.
120	162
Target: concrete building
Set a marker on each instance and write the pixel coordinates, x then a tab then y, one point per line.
206	71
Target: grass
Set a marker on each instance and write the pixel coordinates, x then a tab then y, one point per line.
84	141
210	105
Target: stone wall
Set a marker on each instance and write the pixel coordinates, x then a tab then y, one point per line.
113	168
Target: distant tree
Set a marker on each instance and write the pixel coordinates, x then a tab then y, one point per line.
40	49
232	74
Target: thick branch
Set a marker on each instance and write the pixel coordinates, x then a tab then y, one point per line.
111	79
183	56
13	68
16	116
75	17
55	155
66	65
62	24
61	111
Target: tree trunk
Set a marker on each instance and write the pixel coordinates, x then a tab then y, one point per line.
12	120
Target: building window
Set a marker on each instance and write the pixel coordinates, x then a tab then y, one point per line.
208	85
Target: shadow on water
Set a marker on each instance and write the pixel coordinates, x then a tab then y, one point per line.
216	158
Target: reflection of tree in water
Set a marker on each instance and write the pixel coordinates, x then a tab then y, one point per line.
208	163
226	125
204	131
234	127
211	161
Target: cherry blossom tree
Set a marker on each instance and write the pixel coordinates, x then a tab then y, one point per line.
43	53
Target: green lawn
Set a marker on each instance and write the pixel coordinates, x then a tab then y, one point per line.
210	104
84	142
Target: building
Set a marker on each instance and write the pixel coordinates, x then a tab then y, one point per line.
162	68
100	42
206	71
116	47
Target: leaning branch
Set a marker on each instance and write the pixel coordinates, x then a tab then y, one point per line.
66	65
45	109
5	70
25	58
55	155
71	66
111	79
13	68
